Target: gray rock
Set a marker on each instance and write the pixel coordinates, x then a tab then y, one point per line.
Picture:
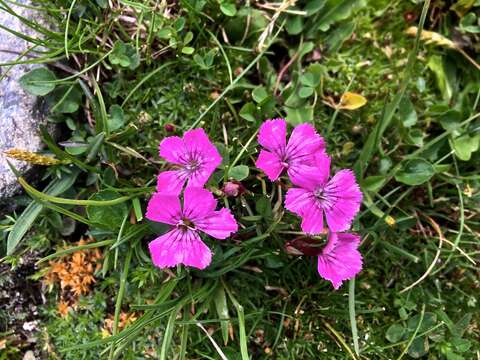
20	113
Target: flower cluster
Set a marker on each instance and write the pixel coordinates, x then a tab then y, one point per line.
193	159
182	202
315	196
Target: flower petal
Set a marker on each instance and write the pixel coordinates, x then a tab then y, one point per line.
340	259
180	247
311	177
172	149
342	200
199	146
297	200
170	182
164	208
272	135
200	177
270	164
220	225
304	142
198	203
312	220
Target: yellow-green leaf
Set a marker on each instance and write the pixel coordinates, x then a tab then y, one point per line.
351	101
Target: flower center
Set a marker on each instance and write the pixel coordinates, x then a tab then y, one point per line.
319	194
193	165
185	224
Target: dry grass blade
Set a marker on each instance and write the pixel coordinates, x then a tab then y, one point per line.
436	227
269	29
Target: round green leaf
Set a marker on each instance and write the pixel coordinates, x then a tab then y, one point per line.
239	172
228	9
38	81
305	92
415	172
107	216
395	333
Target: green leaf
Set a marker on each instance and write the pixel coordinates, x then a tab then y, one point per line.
299	115
228	9
395	333
311	79
31	212
465	145
239	172
469	23
415	137
314	6
407	113
248	112
294	25
339	10
429	321
65	99
461	325
263	206
336	39
222	311
451	120
373	183
37	81
124	55
165	33
259	94
116	118
438	68
419	347
305	92
107	216
187	50
415	172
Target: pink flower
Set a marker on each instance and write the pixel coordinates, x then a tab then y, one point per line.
340	260
296	156
315	196
195	158
182	244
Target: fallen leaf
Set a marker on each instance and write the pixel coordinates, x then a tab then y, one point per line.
351	101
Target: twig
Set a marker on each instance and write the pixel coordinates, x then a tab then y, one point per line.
282	72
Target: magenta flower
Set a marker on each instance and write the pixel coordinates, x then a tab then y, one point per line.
182	244
315	196
194	158
340	260
296	156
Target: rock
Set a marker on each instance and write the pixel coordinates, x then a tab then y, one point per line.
20	113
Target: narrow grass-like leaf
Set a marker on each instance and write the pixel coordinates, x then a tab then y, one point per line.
351	312
241	324
47	197
222	311
168	334
121	292
30	214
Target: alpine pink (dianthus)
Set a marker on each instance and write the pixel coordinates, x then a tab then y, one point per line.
194	158
340	260
295	157
316	196
182	244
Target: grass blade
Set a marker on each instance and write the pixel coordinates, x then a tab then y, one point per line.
30	214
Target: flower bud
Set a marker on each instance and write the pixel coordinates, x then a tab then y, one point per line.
233	188
304	245
169	128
